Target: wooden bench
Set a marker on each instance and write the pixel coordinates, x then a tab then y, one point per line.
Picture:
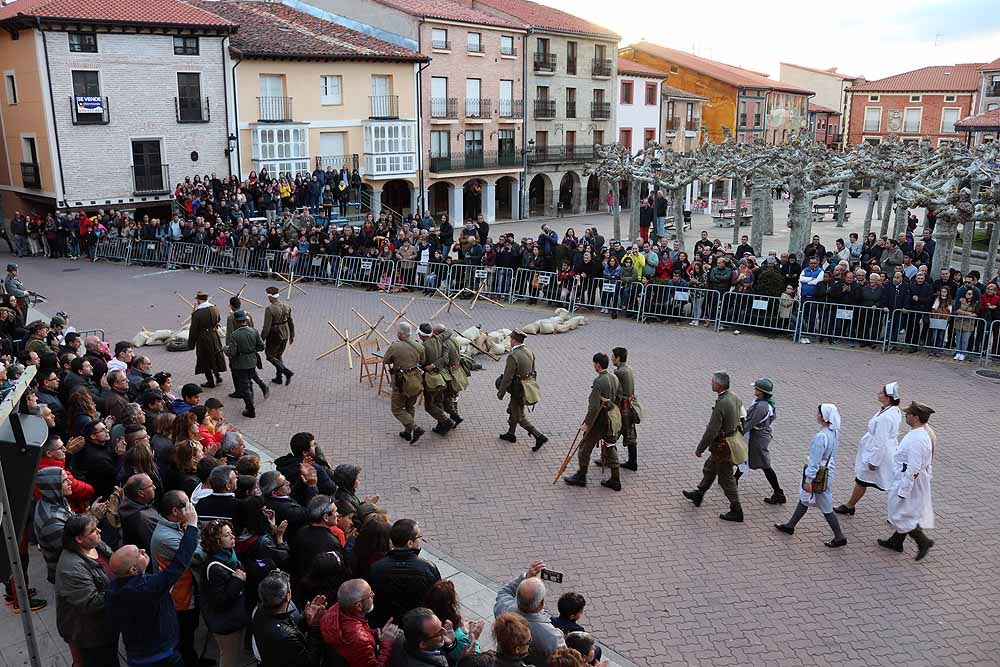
727	217
820	216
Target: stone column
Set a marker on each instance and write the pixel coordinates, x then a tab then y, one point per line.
579	203
489	200
515	199
456	210
711	186
427	200
376	202
415	202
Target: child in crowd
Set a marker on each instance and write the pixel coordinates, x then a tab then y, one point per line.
570	612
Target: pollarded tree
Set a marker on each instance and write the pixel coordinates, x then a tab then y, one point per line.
614	165
662	167
889	165
738	161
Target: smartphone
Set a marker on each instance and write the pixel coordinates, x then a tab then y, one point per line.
551	575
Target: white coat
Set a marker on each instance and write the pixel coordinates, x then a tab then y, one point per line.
910	493
822	452
878	447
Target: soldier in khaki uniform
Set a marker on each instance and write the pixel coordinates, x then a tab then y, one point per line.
520	366
435	358
278	332
242	347
600	422
235	305
725	421
453	373
405	358
626	379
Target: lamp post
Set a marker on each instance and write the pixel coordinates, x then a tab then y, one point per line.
228	150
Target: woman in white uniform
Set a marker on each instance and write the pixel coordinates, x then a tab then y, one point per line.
910	506
873	466
822	454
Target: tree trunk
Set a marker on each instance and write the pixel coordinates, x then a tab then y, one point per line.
799	219
886	212
679	194
842	206
738	198
868	214
944	244
990	269
768	209
968	234
881	201
633	218
902	216
760	209
616	212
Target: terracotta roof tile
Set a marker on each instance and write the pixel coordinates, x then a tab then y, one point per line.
158	12
735	76
448	10
272	30
819	108
983	121
829	72
638	69
991	66
542	16
670	91
962	77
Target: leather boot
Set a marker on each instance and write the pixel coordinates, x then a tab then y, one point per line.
777	498
734	514
456	419
695	496
924	543
632	463
615	482
895	542
576	479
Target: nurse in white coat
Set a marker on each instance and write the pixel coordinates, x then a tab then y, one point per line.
873	466
822	454
910	507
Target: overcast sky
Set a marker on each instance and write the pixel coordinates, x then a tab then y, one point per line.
866	37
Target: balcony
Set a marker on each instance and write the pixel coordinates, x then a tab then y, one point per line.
90	110
511	109
545	62
545	108
551	154
693	125
441	45
31	177
571	65
474	48
600	110
337	161
510	50
993	90
478	109
672	124
384	107
381	165
476	160
444	108
600	67
571	108
192	110
274	109
153	179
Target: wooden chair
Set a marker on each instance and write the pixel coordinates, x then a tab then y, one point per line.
370	363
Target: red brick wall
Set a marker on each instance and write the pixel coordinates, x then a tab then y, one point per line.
930	122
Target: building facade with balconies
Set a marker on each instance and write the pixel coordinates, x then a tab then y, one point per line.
310	94
109	109
471	98
921	105
681	114
984	126
571	69
824	124
639	101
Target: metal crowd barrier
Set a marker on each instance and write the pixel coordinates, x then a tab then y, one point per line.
534	286
91	332
915	330
226	260
427	276
991	344
492	281
149	253
856	324
261	262
112	250
675	302
742	309
322	268
371	271
188	255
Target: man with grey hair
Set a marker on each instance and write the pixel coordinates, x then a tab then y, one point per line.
315	539
724	422
276	492
525	596
138	516
282	635
232	448
405	358
345	627
222	502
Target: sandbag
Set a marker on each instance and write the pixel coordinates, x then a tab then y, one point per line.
159	336
139	339
562	327
546	327
497	349
575	322
472	333
562	314
531	329
461	340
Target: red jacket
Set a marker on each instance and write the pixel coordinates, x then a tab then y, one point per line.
353	640
82	492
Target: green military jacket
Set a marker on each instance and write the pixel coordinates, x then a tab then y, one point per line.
242	347
278	322
626	380
520	364
724	421
604	393
231	323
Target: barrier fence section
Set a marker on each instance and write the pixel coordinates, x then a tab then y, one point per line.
112	250
261	262
150	253
952	334
607	296
542	286
742	309
321	268
991	344
492	281
371	271
843	322
678	302
427	276
226	260
188	255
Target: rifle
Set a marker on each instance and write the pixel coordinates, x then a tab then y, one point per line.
569	455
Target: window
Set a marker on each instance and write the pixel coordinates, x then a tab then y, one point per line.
948	119
280	149
86	84
185	46
571	102
10	84
189	108
873	119
993	106
599	137
542	45
440	143
670	110
947	142
439	97
598	95
505	145
506	45
625	137
651	94
330	89
600	52
473	92
82	42
571	57
674	69
873	98
915	98
626	92
950	98
474	42
439	38
474	142
874	141
689	112
911	119
648	136
390	138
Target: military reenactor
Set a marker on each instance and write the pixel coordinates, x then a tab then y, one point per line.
454	374
520	368
603	423
724	422
627	404
204	339
405	359
278	332
242	347
236	305
12	285
435	358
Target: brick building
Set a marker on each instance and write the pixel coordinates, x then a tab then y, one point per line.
920	105
824	124
109	104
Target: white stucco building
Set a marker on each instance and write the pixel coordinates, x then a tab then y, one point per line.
639	104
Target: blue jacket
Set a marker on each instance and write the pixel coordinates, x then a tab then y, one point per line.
143	611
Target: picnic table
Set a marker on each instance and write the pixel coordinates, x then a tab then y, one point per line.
820	212
726	217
